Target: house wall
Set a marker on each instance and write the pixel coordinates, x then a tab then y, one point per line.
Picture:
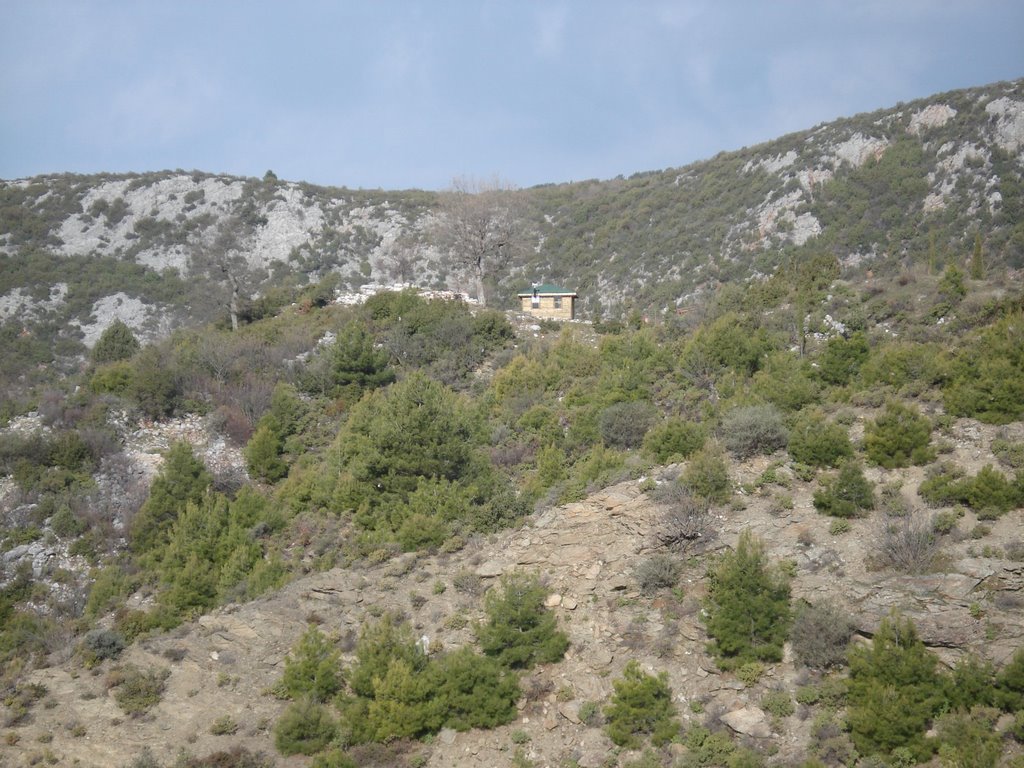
547	307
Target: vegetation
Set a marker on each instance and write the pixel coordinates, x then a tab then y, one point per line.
641	706
373	434
520	631
747	611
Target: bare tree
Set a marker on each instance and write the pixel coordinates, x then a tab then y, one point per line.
480	227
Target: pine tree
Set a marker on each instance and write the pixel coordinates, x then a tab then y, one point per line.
182	479
520	631
117	342
748	612
894	691
641	704
313	669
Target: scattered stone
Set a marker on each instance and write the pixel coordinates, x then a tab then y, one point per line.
490	569
748	721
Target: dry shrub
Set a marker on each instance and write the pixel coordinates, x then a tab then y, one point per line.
907	544
685	519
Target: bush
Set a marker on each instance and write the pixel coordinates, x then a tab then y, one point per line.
117	342
894	691
136	690
685	518
847	494
842	358
182	479
753	430
778	703
707	476
304	728
641	705
477	691
969	739
907	544
519	630
624	425
898	437
101	644
657	572
817	442
674	440
820	635
313	668
263	454
987	382
747	612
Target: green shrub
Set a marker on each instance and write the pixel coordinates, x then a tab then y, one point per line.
313	668
674	440
519	630
820	635
182	479
624	425
778	703
846	494
641	705
753	430
263	454
707	476
989	493
747	612
1010	684
894	691
137	691
987	380
477	691
898	437
817	442
842	358
969	739
117	342
785	381
304	728
101	644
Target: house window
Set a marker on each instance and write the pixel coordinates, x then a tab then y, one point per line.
558	302
535	301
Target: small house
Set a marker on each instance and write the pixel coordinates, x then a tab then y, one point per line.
549	301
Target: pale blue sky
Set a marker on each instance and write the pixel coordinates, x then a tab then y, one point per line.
397	94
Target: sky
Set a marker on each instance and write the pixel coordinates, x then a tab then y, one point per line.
398	94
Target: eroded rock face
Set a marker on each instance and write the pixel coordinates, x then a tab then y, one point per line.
1010	122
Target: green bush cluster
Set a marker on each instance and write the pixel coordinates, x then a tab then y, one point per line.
674	440
817	442
989	492
847	493
394	691
898	437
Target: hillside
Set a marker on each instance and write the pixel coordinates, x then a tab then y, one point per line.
910	184
762	507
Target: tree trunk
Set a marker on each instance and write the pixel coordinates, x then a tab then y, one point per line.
480	296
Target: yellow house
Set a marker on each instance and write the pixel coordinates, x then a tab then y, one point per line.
549	301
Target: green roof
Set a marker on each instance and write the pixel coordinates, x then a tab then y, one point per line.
547	288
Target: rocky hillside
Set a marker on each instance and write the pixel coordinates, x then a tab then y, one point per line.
915	182
225	664
769	516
